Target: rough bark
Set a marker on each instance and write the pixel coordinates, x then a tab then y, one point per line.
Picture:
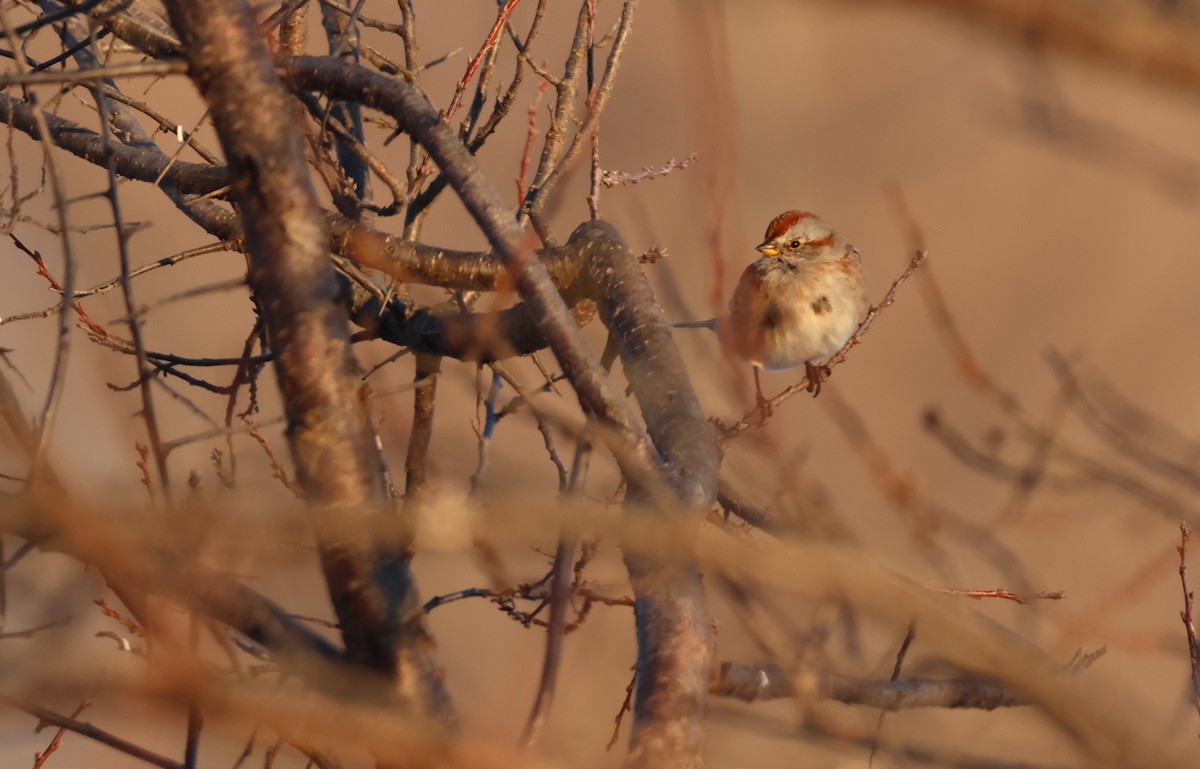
337	464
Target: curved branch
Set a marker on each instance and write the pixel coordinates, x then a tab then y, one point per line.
546	307
131	162
472	336
478	336
673	626
132	24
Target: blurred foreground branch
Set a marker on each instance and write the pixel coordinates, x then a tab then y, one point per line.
1154	40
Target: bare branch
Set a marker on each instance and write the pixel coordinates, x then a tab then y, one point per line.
336	460
753	683
93	733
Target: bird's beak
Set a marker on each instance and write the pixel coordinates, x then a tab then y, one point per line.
768	249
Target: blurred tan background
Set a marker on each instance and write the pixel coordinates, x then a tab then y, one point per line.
1070	226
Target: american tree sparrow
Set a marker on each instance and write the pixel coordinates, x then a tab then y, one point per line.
798	303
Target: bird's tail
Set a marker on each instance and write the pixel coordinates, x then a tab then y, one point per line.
710	324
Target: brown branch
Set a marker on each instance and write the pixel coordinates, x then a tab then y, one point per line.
562	575
93	733
1131	430
336	461
529	275
551	170
674	636
136	25
1087	469
56	742
149	68
411	262
58	524
112	115
752	514
130	162
562	114
754	683
428	371
478	336
62	346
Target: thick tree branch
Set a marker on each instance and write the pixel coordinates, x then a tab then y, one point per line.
336	461
133	162
673	626
411	262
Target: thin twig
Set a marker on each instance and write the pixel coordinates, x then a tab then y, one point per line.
909	635
93	733
1008	595
1189	623
562	577
63	342
619	178
41	758
79	76
626	706
488	43
148	413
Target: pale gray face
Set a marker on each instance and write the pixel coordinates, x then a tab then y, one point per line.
808	238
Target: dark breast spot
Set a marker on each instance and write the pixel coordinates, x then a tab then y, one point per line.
821	305
772	315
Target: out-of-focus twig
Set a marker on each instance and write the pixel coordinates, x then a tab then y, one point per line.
1008	595
1147	39
92	732
752	683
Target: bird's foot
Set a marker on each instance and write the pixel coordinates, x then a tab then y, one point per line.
816	375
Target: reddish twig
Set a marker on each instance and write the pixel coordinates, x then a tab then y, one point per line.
1186	615
565	577
529	137
277	469
125	622
144	467
473	65
39	759
626	706
44	271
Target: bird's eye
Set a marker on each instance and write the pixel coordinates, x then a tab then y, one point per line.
794	244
